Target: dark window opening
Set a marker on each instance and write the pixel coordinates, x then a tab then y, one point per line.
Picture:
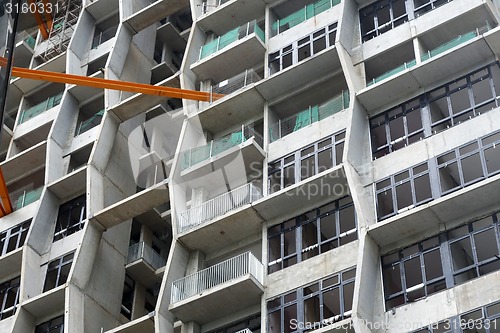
58	272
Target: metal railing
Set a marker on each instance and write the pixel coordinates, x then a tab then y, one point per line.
311	115
103	36
246	330
392	72
143	251
25	198
215	147
234	83
90	123
217	206
230	37
302	15
205	7
194	284
40	108
455	42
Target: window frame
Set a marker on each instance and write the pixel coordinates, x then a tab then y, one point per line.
295	159
62	262
8	235
71	226
297	225
6	289
50	326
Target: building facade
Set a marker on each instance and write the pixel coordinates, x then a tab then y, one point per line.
343	176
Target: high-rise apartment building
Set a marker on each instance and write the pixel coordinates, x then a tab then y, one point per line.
343	177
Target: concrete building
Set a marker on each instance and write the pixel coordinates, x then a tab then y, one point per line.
343	177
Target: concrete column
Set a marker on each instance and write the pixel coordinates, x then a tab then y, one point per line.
196	262
139	300
190	327
146	235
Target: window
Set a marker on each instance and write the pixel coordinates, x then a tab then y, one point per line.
483	319
58	271
306	162
311	233
437	110
381	16
9	297
441	262
453	170
405	190
251	323
71	217
302	49
318	304
55	325
384	15
14	237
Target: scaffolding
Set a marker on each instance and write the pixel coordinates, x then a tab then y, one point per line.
62	28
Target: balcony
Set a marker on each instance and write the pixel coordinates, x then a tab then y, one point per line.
240	95
302	15
90	123
25	44
307	117
24	198
233	285
200	161
214	16
392	72
222	220
103	36
40	108
234	51
143	262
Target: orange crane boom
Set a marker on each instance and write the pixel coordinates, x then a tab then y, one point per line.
5	203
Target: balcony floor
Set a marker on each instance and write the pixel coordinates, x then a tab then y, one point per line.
230	297
227	229
140	270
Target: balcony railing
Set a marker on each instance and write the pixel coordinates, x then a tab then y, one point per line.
235	83
209	7
313	114
103	36
455	42
40	108
90	123
215	147
392	72
27	38
246	330
218	274
231	37
218	206
302	15
143	251
24	198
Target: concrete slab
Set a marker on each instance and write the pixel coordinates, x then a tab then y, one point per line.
139	103
235	109
328	185
143	324
69	185
239	12
230	297
154	13
250	150
47	303
141	271
11	263
169	34
22	54
101	9
24	163
327	61
223	231
232	60
133	205
492	37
